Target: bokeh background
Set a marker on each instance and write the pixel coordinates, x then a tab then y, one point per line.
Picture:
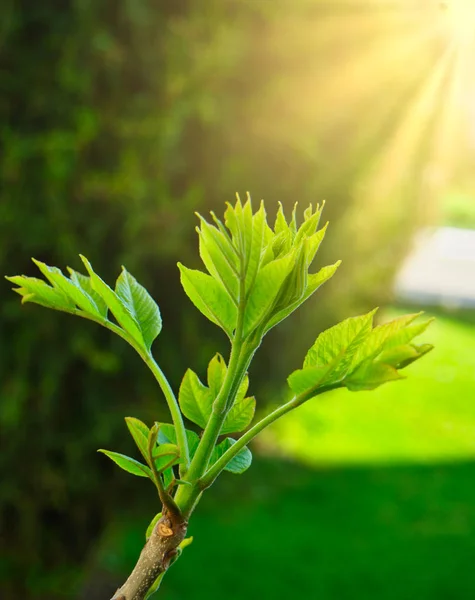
118	120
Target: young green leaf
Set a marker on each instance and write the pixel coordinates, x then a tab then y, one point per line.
151	527
60	282
165	455
36	290
280	225
84	282
379	336
210	298
263	294
156	585
308	380
314	281
293	290
253	258
310	224
168	477
313	244
384	352
196	400
167	435
370	376
141	306
398	355
329	360
117	307
216	373
421	350
140	432
239	463
242	410
406	334
337	346
153	437
128	464
240	415
220	258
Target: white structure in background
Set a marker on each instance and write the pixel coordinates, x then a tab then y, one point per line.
440	270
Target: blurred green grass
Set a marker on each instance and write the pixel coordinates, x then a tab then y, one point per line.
428	417
374	498
334	534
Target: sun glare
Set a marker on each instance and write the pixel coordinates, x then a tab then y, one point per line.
461	16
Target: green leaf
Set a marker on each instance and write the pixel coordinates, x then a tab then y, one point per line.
240	415
182	482
151	527
313	244
406	334
239	463
120	311
402	356
253	256
329	360
280	225
379	336
308	380
186	542
310	224
293	221
314	281
141	306
216	373
338	345
370	376
280	246
78	296
140	433
155	586
196	400
295	284
220	258
153	435
422	350
397	355
266	288
70	288
231	219
167	435
394	334
84	282
209	297
165	455
128	464
168	477
245	226
36	290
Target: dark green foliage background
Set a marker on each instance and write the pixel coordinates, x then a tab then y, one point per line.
117	121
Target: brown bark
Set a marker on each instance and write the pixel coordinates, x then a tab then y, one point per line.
155	558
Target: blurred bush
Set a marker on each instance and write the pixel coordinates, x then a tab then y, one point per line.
118	120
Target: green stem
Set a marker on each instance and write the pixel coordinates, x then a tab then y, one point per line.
240	357
174	410
162	381
210	475
187	496
167	501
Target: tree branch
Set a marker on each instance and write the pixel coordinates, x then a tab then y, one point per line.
156	556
